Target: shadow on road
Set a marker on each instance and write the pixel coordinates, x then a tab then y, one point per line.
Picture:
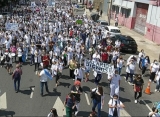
124	99
86	114
55	93
26	92
64	84
4	113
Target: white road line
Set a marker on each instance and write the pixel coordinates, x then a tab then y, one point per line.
147	105
31	96
3	101
124	113
87	99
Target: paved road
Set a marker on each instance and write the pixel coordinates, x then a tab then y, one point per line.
30	103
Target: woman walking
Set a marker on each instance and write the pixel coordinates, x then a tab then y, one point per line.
72	67
120	63
145	63
98	100
138	87
153	69
157	81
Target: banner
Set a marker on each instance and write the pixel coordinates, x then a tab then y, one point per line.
33	4
79	22
11	26
78	11
100	66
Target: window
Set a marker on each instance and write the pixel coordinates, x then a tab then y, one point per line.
104	23
113	8
115	31
125	12
117	9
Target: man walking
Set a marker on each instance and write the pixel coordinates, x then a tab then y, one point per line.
44	75
17	77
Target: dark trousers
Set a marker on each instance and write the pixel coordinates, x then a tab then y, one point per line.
32	59
140	64
72	73
57	78
42	85
131	77
97	78
17	84
116	24
65	61
36	66
152	76
98	104
143	69
137	97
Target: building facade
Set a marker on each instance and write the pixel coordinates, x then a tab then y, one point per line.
142	16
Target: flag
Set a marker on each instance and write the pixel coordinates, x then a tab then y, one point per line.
48	74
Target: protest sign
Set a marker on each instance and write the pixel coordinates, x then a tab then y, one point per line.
79	11
100	66
33	4
79	22
11	26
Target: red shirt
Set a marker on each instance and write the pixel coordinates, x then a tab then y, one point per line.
71	33
104	56
45	60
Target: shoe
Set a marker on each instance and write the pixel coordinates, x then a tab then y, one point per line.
41	95
142	75
16	91
156	90
73	79
124	77
135	101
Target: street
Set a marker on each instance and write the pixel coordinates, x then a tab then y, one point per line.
28	101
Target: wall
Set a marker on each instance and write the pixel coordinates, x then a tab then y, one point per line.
128	22
105	7
153	24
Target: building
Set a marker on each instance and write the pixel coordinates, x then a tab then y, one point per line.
142	16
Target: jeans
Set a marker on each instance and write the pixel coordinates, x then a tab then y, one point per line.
42	85
32	59
98	78
17	84
152	76
131	77
143	69
119	70
158	85
98	104
37	66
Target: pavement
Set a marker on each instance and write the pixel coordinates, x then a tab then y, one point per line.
150	48
28	101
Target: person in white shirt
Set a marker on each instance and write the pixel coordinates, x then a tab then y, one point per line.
78	73
157	81
43	80
96	56
20	52
114	106
141	56
153	69
7	44
32	50
154	112
114	83
117	44
130	69
37	59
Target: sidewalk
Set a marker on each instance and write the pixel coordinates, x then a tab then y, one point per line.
151	49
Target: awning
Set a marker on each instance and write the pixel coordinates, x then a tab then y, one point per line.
115	5
125	7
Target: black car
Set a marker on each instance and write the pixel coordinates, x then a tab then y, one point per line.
128	44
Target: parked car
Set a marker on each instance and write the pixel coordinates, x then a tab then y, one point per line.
112	30
103	23
128	44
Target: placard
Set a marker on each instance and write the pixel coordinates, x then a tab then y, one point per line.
11	26
79	11
100	66
33	4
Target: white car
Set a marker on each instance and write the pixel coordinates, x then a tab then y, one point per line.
112	30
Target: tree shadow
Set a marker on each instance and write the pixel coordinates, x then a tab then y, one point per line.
86	89
86	114
146	101
64	84
26	92
65	77
4	113
121	89
55	93
124	99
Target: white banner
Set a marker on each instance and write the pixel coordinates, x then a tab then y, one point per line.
11	26
100	66
33	4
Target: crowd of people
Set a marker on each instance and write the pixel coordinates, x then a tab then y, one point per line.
54	41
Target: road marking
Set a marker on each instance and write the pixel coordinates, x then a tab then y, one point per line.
87	99
32	91
124	113
3	101
147	105
59	107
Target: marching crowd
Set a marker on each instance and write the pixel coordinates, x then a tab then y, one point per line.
54	41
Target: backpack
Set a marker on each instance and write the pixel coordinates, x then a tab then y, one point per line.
92	95
16	74
7	58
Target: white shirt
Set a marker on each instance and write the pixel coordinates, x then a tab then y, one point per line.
19	52
115	80
154	115
158	75
54	68
7	43
120	64
155	67
112	103
43	76
96	56
78	73
131	67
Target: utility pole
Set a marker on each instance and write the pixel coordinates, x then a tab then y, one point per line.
110	12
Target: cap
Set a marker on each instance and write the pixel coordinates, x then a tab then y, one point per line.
78	83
